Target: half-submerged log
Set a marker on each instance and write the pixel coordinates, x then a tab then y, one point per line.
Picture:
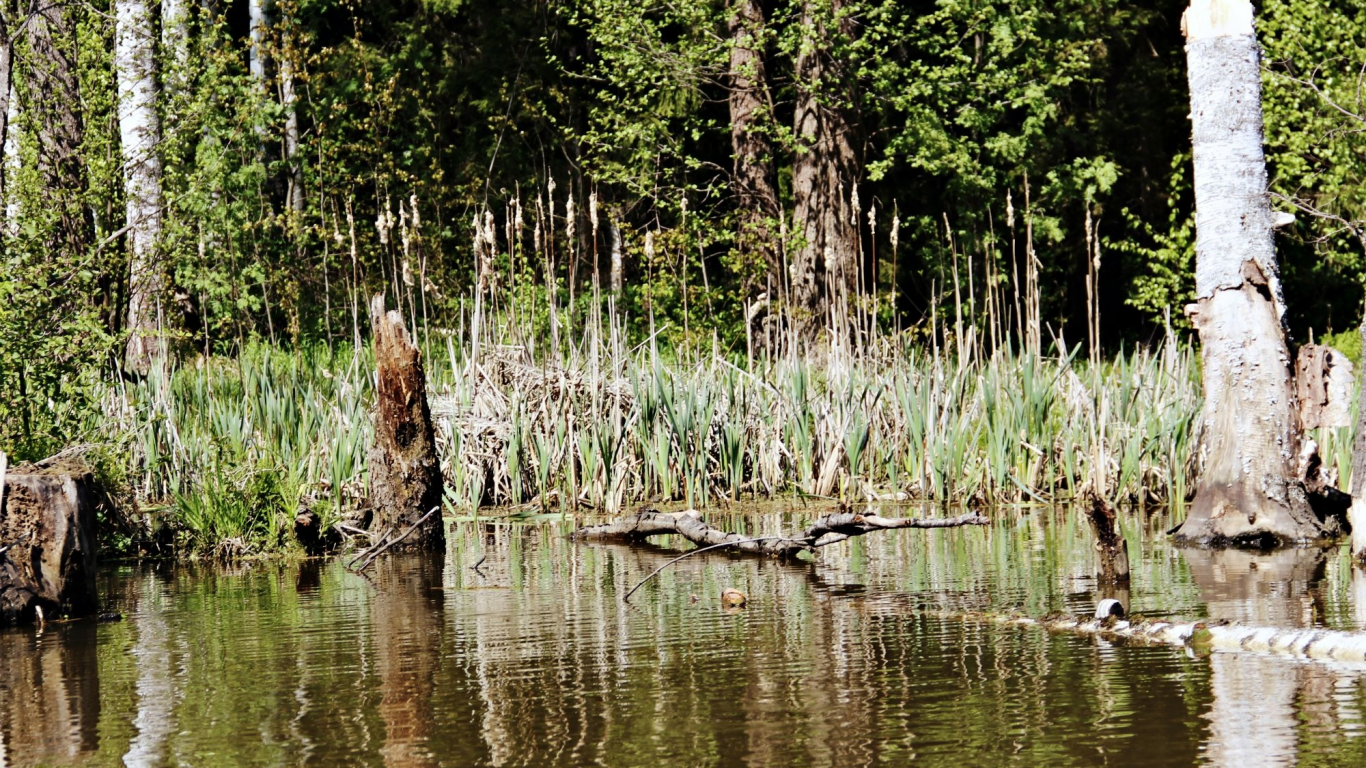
47	542
826	530
1321	644
405	473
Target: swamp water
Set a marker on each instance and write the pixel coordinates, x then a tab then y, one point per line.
534	660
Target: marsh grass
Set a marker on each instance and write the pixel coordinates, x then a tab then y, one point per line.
223	453
543	406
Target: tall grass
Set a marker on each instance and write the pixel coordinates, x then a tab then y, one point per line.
542	405
592	432
223	454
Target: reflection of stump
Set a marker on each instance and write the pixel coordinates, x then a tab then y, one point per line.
50	705
407	630
47	542
405	475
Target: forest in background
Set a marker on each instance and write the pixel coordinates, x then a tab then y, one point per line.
714	173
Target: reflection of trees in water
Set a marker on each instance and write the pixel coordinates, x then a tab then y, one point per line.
813	672
157	692
49	695
1262	707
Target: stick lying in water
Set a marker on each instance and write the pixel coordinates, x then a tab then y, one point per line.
377	549
1322	644
826	530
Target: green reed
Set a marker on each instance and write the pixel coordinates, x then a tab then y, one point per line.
226	453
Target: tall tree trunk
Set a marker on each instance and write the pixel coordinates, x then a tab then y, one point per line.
257	23
1249	492
175	44
6	94
140	136
1357	514
53	102
750	117
295	192
824	172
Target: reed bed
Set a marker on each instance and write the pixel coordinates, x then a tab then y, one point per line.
222	454
605	432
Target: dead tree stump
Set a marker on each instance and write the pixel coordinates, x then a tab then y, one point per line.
405	473
1323	387
47	542
1110	544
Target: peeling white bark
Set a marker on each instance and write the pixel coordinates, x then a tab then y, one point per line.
290	102
256	28
1249	491
11	164
140	136
175	46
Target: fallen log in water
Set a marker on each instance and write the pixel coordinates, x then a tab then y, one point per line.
826	530
1322	644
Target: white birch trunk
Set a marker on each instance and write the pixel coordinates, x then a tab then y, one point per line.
290	102
617	265
256	54
175	44
258	24
1356	515
1249	492
140	135
6	102
11	164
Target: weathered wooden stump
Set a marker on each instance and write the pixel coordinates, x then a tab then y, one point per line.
47	542
1110	544
405	474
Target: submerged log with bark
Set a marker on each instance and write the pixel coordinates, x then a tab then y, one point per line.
405	473
829	529
1250	492
47	541
1319	644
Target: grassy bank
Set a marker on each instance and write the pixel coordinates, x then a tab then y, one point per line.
222	454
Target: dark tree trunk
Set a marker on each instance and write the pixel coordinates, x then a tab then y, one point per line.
751	116
405	474
53	100
824	172
47	542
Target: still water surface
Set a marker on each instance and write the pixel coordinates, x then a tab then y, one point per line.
535	660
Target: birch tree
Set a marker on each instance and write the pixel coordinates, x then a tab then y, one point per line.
139	136
7	32
288	99
1249	492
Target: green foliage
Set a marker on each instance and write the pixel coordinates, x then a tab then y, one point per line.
1347	342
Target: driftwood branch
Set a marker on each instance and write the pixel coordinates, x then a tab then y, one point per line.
826	530
367	557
